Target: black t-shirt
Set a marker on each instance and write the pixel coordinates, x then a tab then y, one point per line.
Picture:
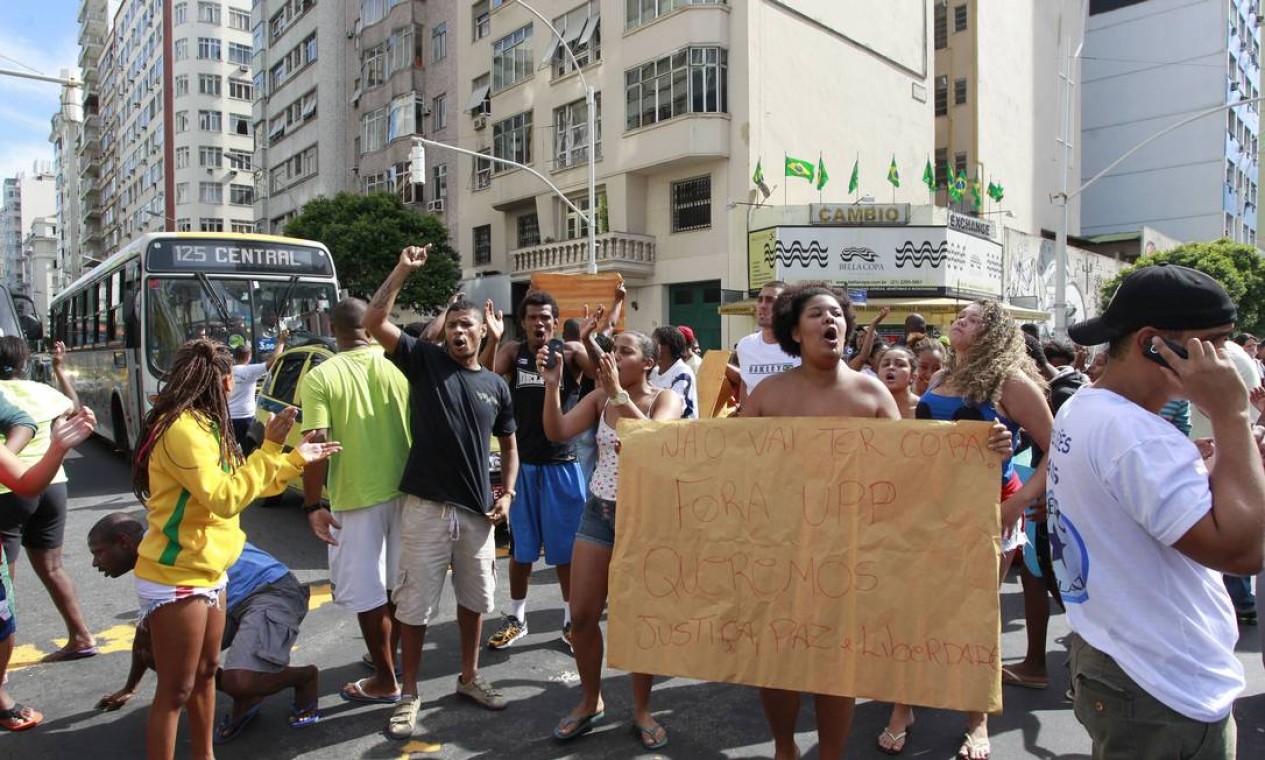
527	386
454	414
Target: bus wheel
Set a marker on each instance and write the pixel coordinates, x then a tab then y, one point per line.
121	444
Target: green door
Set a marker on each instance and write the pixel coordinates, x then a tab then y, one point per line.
697	304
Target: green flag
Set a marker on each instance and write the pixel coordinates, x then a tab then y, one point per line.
929	176
822	176
797	167
957	184
758	179
996	191
893	175
856	176
977	199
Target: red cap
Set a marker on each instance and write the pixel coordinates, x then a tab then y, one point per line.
687	332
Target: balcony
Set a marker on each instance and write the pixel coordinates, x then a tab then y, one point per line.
630	255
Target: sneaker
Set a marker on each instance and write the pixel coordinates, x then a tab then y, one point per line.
482	692
404	718
512	629
566	637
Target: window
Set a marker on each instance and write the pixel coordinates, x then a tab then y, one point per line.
439	113
304	164
182	121
1228	229
582	33
404	187
241	226
511	140
480	102
241	195
528	230
240	89
179	14
942	95
439	181
210	121
482	173
439	42
959	92
959	18
180	49
211	225
210	192
210	157
239	54
373	11
182	85
208	49
238	19
401	52
482	20
373	67
210	84
942	166
373	130
182	158
941	26
692	204
576	225
959	164
239	159
404	117
239	124
640	12
511	58
376	183
183	225
182	193
570	137
691	80
209	13
483	244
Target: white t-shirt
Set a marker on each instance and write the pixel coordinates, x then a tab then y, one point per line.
758	360
1124	485
679	378
241	402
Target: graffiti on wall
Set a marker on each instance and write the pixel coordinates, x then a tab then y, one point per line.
1030	276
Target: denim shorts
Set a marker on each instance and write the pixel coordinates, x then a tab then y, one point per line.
597	524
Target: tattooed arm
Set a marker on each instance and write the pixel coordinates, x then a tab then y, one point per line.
378	318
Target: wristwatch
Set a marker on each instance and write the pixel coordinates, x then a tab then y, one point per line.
621	398
310	508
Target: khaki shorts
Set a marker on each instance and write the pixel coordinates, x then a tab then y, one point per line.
260	631
434	536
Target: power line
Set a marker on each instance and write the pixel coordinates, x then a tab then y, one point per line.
23	65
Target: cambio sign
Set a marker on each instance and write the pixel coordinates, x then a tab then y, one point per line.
905	260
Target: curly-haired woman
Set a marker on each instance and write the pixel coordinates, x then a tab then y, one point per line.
987	376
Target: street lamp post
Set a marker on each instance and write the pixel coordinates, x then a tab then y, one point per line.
1060	251
590	101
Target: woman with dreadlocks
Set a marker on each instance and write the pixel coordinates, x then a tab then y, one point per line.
193	480
987	376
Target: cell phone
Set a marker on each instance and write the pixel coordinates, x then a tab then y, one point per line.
1152	353
555	350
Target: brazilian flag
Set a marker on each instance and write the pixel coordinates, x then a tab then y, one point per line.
822	176
996	191
797	167
958	188
893	175
929	176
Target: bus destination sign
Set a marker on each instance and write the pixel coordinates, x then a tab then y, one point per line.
232	256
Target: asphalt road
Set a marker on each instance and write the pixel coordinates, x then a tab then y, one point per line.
704	720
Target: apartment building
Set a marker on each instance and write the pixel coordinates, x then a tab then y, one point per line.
27	197
39	263
301	109
1005	99
1149	64
94	38
65	131
691	96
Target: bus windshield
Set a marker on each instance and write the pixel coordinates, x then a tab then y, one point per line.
235	312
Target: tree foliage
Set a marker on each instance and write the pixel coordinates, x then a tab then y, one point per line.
1237	266
365	234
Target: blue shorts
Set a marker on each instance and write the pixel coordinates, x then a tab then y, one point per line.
546	512
598	524
8	619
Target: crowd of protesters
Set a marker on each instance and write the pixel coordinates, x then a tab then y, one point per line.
394	459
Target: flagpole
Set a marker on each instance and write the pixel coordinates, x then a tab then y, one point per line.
784	182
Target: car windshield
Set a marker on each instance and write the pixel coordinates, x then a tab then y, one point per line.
240	311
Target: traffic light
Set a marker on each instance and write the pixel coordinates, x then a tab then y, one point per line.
417	164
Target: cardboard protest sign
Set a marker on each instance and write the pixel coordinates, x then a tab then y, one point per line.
573	291
714	391
842	556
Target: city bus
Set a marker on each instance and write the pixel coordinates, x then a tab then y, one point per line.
124	320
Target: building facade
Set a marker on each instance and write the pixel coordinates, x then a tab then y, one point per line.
691	97
1149	64
65	134
27	197
39	262
90	159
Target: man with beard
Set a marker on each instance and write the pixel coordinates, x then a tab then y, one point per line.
759	356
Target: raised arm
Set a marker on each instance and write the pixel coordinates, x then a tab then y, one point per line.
378	317
494	318
617	309
279	349
434	332
561	427
63	382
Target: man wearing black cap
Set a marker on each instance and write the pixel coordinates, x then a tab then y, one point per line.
1142	527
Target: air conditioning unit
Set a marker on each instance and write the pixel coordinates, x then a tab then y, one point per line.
435	205
481	121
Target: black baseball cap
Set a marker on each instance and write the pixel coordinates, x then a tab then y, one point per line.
1167	297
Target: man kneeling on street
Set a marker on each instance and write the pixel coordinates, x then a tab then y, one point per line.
266	604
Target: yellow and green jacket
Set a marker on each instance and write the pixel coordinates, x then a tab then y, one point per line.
194	499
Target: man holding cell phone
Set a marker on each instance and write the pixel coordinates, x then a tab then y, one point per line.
1142	527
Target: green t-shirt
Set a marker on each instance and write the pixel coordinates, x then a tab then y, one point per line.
362	399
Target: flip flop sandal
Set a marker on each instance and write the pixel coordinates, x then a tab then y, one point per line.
67	655
228	728
302	717
971	746
355	692
20	718
893	739
579	726
1011	678
646	736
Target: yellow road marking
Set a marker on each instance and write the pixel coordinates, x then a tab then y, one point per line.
321	595
417	745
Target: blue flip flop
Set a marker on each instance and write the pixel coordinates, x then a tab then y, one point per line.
355	692
228	729
302	717
646	736
579	726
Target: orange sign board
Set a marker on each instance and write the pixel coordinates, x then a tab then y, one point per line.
574	291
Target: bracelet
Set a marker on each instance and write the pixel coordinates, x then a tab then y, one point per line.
510	492
310	508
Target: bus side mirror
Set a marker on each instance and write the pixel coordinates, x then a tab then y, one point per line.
32	328
131	325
